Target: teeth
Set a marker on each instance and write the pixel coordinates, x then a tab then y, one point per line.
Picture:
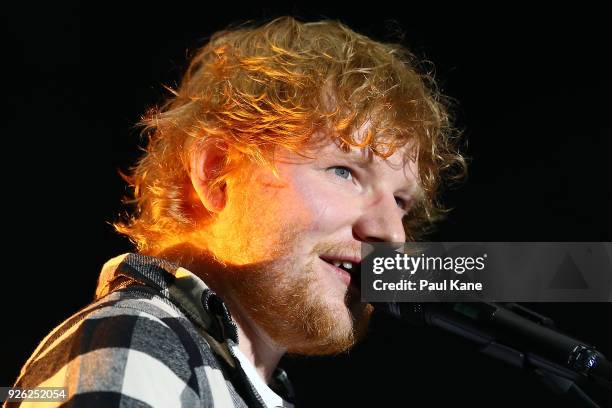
345	265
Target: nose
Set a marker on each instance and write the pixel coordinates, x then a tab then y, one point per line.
380	222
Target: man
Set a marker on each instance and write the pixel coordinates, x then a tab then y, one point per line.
285	147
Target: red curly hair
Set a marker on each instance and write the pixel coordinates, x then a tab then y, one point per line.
276	84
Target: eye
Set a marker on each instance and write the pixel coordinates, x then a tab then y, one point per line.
343	172
401	203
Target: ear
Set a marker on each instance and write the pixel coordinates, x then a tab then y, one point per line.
206	163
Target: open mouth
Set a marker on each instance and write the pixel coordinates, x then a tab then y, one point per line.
350	272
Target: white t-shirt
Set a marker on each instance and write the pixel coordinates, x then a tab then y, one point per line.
270	398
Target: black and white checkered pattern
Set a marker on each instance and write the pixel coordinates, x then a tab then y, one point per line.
155	336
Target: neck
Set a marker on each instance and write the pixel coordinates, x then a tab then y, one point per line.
253	342
256	345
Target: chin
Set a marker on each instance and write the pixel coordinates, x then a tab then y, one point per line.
336	330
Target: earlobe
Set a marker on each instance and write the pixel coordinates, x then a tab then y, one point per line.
206	165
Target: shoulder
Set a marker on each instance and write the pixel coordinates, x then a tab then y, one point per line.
130	343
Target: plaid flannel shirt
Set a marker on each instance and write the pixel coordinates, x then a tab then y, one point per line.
154	336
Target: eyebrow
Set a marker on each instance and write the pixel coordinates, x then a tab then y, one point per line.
358	157
419	195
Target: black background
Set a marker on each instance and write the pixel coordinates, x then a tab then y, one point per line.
534	93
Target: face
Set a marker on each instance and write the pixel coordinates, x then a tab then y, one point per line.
279	238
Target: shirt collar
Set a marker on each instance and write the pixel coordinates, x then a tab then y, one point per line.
186	291
175	283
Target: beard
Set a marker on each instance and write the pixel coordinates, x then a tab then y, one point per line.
271	280
294	308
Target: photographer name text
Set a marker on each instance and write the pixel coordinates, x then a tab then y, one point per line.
423	284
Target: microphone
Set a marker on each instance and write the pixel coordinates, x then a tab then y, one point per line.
514	334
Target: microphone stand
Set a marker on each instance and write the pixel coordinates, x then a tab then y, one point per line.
584	362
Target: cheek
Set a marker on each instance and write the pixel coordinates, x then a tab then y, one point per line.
325	205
